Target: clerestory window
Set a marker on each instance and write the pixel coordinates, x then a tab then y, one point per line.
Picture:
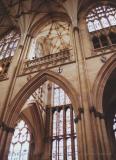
8	44
19	147
101	23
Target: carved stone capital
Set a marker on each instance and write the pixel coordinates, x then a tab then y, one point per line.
6	128
76	28
77	118
20	46
100	115
96	113
92	109
81	110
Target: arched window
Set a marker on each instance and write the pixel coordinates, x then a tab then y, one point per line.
63	136
64	140
59	96
60	127
8	44
52	38
100	20
19	147
101	17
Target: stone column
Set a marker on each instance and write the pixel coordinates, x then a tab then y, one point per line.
106	140
25	52
10	132
104	151
89	148
1	130
5	141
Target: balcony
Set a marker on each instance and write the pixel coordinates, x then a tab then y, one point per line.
49	61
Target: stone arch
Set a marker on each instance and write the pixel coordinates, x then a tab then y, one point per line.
100	82
82	14
15	106
47	20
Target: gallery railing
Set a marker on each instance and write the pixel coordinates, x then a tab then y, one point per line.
63	57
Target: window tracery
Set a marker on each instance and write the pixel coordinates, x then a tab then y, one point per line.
64	138
19	147
8	44
101	23
60	97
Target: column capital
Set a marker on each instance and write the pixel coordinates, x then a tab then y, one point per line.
77	118
76	28
97	113
6	128
81	110
92	109
100	115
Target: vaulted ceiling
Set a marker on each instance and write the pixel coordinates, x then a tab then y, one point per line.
14	12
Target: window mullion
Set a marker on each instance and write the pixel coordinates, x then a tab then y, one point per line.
64	132
72	133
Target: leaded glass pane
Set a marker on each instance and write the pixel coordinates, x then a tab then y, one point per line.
68	122
61	149
69	151
19	147
76	151
54	123
60	97
54	153
8	44
61	123
101	17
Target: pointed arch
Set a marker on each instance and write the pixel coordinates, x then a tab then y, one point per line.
100	82
44	21
21	97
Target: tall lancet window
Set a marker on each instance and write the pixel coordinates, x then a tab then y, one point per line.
64	139
19	147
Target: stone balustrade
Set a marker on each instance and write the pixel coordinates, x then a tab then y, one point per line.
106	49
49	61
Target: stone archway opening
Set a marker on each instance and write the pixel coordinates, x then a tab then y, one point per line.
52	95
109	109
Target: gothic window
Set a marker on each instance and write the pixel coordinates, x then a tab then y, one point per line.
101	21
114	126
60	97
64	140
19	147
8	44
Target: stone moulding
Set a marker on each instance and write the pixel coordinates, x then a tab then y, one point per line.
49	61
